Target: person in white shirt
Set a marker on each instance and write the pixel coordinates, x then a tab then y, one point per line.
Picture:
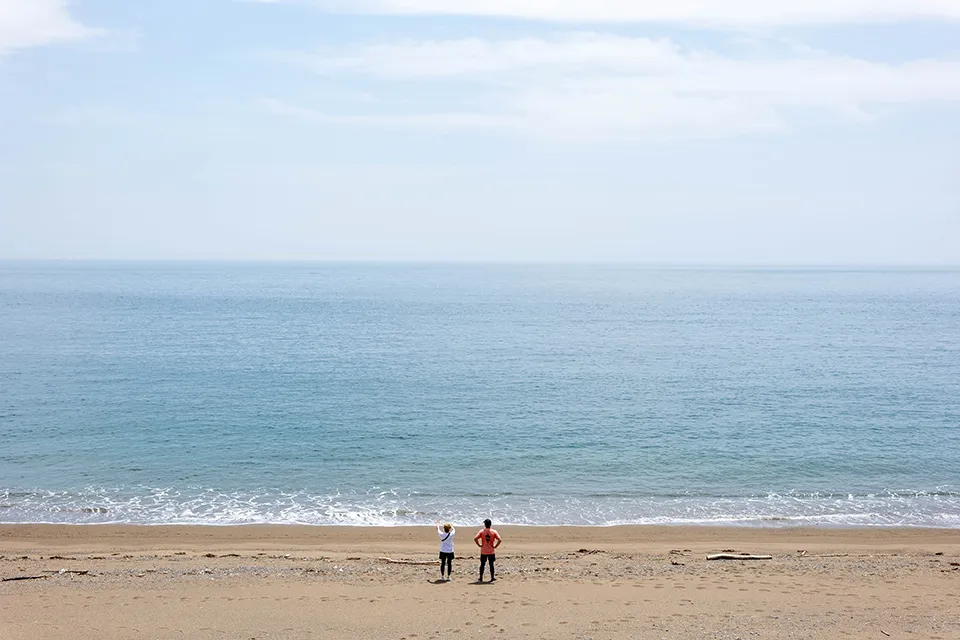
446	533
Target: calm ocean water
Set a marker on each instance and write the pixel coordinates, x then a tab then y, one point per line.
389	394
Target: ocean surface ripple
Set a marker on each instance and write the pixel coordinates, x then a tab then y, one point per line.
542	395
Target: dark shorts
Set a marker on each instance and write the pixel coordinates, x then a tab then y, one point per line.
446	556
489	556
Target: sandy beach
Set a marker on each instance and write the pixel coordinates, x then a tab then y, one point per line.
553	582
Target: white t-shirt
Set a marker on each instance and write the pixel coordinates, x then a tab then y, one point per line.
446	539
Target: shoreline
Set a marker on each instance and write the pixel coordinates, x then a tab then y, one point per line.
680	525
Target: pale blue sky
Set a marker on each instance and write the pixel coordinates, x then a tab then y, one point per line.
755	131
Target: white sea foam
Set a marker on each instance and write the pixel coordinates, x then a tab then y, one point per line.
394	507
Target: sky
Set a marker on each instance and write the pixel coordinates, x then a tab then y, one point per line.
822	132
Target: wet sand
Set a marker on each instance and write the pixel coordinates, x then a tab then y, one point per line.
553	582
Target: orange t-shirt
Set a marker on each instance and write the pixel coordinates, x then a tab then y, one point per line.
486	537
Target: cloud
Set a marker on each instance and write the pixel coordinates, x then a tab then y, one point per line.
427	120
715	12
33	23
473	56
590	86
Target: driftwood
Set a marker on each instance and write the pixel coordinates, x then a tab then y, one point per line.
76	571
803	554
25	578
422	562
737	556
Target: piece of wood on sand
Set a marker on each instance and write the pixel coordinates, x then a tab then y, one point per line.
737	556
25	578
79	572
421	562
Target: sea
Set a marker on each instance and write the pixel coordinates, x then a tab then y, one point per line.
399	394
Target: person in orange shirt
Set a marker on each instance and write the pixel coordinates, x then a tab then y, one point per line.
488	540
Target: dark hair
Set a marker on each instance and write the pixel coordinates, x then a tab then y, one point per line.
487	523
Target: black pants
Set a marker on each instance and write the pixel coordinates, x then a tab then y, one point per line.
446	560
484	559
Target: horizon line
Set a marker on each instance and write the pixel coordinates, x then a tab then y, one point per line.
484	262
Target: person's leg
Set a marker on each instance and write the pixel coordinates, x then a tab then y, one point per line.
491	560
483	564
442	562
449	565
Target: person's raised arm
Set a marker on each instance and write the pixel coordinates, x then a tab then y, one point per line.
497	541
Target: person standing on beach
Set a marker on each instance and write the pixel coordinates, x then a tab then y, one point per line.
488	540
446	533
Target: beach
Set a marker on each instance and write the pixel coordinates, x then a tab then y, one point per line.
108	581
